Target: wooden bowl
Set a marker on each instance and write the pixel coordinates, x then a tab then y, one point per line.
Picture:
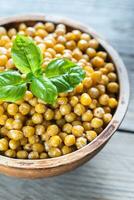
55	166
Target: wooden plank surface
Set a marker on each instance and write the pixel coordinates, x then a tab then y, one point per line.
109	176
113	19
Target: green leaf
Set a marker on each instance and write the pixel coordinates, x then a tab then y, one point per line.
12	86
44	89
58	66
26	55
64	74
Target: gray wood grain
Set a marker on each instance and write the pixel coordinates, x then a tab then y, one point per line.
113	19
108	176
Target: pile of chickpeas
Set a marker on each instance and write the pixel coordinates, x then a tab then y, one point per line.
31	129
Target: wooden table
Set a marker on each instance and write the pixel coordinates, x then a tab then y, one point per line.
110	175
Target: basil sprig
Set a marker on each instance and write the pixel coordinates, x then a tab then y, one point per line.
61	75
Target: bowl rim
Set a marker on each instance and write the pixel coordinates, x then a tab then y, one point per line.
118	116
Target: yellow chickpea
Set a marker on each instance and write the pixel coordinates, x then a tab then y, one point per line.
67	128
9	123
81	142
93	43
52	130
77	34
87	82
59	48
96	122
77	54
99	112
37	118
49	114
38	147
22	154
24	108
91	135
70	117
69	140
79	109
39	129
83	45
65	109
85	99
28	131
66	150
3	119
98	62
77	130
54	152
10	153
113	87
112	102
87	116
3	60
103	100
74	100
107	117
3	144
55	141
40	108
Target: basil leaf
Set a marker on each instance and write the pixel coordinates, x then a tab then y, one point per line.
64	74
58	66
12	87
26	55
44	89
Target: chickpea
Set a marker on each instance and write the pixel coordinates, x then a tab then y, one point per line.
93	43
69	140
33	139
67	128
59	48
91	135
101	89
66	150
33	101
87	82
23	141
17	124
87	116
22	154
79	88
74	123
102	54
39	129
24	108
28	147
37	118
70	117
71	44
10	153
61	122
110	67
3	131
2	31
94	104
33	155
113	87
86	126
12	32
93	92
38	147
79	109
19	116
81	142
40	108
39	25
103	100
28	131
96	122
54	152
83	45
62	100
91	52
9	123
77	130
15	134
52	130
85	36
43	155
107	117
49	114
3	119
96	77
99	112
77	34
77	54
55	141
97	62
85	99
28	96
49	27
65	109
112	77
62	135
3	144
112	102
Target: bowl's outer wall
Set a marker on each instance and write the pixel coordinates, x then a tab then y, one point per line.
55	166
